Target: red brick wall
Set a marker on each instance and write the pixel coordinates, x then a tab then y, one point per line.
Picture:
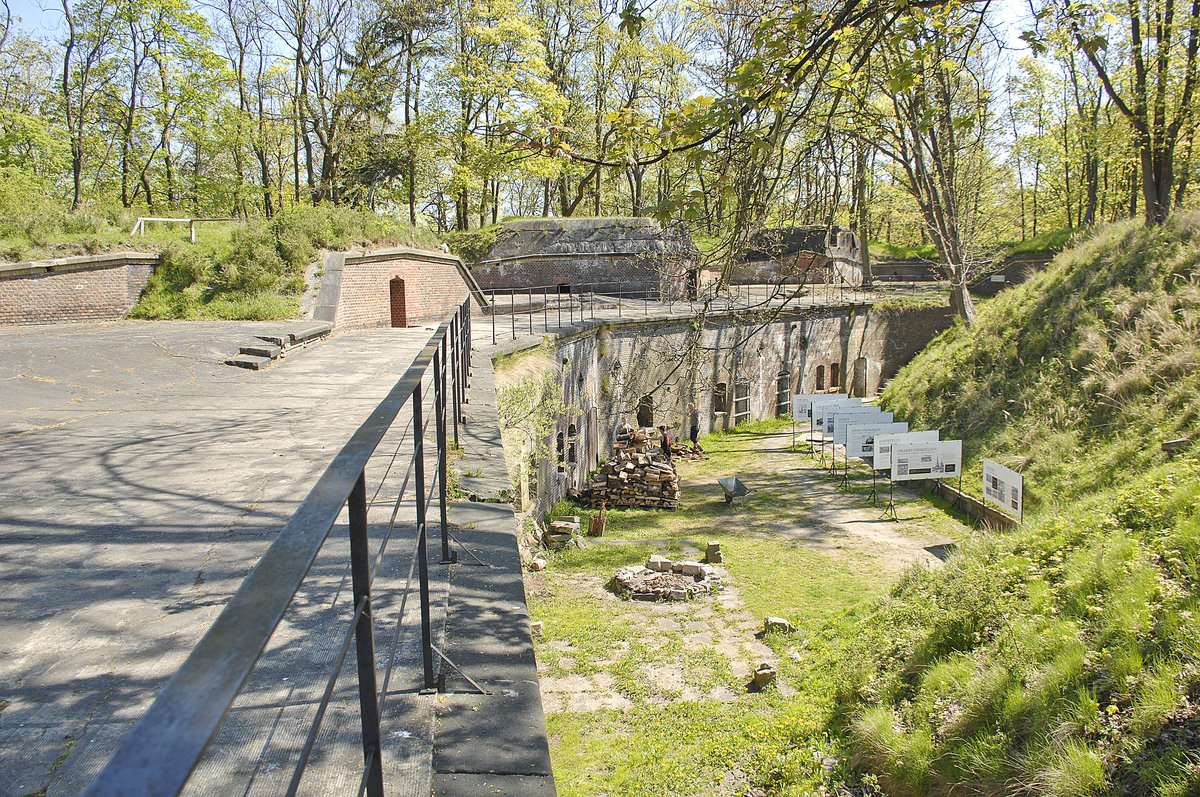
431	289
95	294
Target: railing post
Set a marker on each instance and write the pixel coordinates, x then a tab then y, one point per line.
493	314
360	573
530	308
439	408
512	311
457	336
422	540
545	309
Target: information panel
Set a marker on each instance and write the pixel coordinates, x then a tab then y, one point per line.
802	403
940	460
843	418
820	409
884	443
1003	487
860	437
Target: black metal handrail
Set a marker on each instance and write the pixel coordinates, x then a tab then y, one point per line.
164	747
573	301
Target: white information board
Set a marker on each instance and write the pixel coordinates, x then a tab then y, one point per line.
884	443
843	418
802	403
940	460
821	409
860	437
1003	487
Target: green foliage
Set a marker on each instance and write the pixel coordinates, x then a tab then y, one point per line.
898	252
1060	656
472	245
258	271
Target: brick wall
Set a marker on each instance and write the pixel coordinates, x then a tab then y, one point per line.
75	289
433	287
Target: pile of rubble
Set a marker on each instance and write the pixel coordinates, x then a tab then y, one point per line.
663	579
642	478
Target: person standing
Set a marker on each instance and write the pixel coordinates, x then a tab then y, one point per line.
694	425
665	442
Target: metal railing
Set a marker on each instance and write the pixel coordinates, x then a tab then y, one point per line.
574	302
164	747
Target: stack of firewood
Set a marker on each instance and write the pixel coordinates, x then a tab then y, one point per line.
635	478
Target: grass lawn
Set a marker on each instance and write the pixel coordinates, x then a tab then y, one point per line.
650	699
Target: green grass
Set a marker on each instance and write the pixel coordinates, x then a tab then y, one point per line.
899	252
235	270
1064	655
663	744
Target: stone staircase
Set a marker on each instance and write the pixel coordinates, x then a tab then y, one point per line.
263	350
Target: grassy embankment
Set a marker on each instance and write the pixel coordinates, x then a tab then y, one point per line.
1064	658
235	270
1061	659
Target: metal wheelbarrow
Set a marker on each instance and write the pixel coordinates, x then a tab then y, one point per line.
733	488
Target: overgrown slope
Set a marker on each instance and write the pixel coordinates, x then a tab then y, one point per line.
1063	658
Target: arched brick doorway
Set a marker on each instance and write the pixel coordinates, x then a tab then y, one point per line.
399	317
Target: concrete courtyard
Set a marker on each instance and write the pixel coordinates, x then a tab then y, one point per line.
140	480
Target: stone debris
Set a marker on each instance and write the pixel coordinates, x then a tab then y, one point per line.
562	532
712	554
663	579
538	564
536	629
637	475
764	676
777	625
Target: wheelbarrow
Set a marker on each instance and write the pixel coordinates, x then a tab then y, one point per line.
733	488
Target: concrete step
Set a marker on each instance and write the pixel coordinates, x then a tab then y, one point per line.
280	339
262	349
309	332
252	361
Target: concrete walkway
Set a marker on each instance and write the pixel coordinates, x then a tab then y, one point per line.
140	480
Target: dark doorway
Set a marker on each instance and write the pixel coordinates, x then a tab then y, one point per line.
645	413
399	316
820	378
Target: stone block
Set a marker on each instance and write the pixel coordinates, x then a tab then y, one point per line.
538	564
764	676
659	564
713	554
777	625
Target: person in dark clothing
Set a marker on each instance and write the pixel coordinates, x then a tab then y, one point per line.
694	429
666	442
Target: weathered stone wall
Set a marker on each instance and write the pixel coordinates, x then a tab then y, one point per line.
602	273
356	290
608	371
94	288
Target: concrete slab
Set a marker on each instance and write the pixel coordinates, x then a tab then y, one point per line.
140	480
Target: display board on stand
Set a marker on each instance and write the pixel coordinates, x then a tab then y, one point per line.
802	403
860	436
885	442
821	410
1004	487
931	460
842	420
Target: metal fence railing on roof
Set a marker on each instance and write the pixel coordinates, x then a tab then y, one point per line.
164	747
541	308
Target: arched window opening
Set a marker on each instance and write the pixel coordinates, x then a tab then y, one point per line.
645	412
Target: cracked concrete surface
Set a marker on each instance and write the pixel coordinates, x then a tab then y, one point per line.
140	480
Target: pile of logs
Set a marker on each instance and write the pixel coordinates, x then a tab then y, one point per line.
635	478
